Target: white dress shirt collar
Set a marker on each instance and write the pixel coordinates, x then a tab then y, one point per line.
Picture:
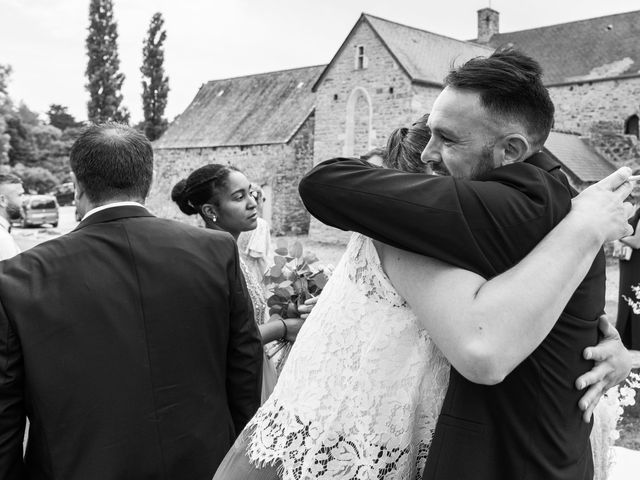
111	205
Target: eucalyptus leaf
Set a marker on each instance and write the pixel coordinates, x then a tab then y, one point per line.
274	300
296	250
275	271
320	280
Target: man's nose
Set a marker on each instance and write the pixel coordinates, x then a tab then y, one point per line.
431	153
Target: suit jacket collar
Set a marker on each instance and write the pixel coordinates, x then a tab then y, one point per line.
543	161
114	213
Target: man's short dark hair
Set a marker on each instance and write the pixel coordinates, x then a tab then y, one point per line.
510	86
8	178
112	160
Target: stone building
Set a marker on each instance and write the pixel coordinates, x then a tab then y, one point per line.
274	126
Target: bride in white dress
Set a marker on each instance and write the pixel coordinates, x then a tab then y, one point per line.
364	384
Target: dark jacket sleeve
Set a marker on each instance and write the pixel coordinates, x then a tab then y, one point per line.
12	407
506	213
245	354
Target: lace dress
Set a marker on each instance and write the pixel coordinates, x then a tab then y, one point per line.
256	294
360	394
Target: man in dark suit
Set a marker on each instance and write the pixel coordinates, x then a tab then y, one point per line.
128	343
488	125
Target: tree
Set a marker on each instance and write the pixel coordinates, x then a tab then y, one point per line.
35	179
5	109
104	78
22	150
60	118
155	85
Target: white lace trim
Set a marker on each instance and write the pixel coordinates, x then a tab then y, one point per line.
363	386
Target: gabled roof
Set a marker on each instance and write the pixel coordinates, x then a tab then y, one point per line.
578	157
261	109
424	56
596	48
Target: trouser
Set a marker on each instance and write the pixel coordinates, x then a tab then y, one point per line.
236	466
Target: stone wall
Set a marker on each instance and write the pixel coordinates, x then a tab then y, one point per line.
385	85
278	166
581	106
391	97
619	148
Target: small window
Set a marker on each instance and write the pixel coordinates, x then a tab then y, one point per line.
391	90
335	96
361	59
632	126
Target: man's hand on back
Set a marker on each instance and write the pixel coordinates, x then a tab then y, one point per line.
612	366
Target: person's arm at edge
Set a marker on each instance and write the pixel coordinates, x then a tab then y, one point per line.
245	354
12	408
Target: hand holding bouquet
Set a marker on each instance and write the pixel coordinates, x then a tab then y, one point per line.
295	277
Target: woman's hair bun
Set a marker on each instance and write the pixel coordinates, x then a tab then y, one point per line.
178	195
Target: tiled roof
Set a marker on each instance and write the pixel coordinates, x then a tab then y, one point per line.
254	110
578	157
584	50
424	55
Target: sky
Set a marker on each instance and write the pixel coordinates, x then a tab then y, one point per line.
44	40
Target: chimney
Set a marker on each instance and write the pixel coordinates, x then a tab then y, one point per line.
488	24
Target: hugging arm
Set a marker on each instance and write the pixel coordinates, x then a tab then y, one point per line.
456	222
487	327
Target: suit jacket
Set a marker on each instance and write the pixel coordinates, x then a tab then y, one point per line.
529	426
130	346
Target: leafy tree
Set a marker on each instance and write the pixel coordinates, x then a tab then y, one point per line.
27	116
60	118
104	78
155	85
22	148
35	179
5	109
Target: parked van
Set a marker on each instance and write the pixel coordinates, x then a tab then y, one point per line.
38	210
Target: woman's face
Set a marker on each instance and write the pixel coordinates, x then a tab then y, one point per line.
237	209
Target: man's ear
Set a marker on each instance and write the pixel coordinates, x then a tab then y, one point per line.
78	189
514	148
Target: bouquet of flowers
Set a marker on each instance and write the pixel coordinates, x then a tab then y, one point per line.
606	418
634	303
295	277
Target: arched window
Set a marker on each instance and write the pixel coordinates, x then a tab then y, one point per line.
631	126
359	113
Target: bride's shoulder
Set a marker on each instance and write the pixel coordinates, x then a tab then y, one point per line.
364	268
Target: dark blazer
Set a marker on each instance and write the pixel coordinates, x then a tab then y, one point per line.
130	346
529	426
